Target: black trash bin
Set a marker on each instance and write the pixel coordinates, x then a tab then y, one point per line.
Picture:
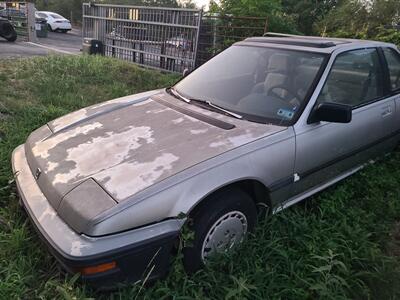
41	27
92	46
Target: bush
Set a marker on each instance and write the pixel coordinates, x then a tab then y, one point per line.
388	35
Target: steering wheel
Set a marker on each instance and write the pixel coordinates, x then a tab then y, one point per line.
294	100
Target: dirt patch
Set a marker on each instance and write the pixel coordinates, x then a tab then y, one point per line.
393	247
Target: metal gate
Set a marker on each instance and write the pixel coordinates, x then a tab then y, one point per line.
161	38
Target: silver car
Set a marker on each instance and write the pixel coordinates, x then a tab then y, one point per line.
266	123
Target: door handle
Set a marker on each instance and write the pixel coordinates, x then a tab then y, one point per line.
387	111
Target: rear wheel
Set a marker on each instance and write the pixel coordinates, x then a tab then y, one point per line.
219	226
8	32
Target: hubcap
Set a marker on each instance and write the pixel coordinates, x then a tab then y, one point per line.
225	233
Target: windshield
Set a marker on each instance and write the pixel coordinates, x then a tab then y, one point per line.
262	84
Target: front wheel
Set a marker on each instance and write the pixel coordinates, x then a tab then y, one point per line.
219	226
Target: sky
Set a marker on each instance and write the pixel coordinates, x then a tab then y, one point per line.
200	3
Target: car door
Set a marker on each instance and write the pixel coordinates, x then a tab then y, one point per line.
392	58
326	152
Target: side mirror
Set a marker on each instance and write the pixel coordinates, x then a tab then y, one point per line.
185	72
332	112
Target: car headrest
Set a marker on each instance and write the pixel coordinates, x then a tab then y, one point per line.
279	63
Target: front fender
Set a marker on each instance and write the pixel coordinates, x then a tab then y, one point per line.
266	160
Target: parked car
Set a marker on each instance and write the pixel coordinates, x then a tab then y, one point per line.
266	123
180	43
7	30
55	22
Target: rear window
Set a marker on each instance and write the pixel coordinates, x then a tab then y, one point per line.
55	16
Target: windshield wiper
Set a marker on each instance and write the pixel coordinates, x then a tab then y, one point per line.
209	103
176	94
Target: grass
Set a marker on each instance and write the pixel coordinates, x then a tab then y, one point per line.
343	243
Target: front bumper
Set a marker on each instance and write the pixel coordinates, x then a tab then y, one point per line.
134	251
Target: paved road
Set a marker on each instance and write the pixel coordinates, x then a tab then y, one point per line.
19	49
64	43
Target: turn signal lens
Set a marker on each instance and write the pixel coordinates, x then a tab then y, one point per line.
98	269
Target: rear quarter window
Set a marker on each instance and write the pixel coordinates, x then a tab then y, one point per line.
393	61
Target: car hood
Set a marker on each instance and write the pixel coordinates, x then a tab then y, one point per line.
131	143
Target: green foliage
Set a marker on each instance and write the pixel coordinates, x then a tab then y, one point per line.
388	35
271	9
339	244
306	13
363	20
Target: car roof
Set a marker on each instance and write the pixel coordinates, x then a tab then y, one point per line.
309	43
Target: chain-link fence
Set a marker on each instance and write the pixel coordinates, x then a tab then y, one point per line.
169	39
162	38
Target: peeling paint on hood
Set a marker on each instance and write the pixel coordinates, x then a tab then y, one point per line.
131	143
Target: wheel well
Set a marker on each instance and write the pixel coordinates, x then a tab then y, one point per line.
257	191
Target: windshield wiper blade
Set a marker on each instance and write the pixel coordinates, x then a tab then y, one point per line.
209	103
176	94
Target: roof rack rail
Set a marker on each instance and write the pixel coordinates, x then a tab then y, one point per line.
300	41
276	34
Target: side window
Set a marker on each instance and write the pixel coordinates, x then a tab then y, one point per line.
393	61
355	78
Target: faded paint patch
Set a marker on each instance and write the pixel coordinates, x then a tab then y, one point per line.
241	139
219	144
191	119
120	184
42	148
177	121
51	166
157	111
233	141
76	248
48	212
103	152
198	131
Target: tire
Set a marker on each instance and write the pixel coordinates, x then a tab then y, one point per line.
231	213
49	28
8	32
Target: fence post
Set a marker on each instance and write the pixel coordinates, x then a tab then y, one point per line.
266	25
197	38
30	14
162	58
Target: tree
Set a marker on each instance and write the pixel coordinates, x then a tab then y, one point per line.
270	9
305	13
359	19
